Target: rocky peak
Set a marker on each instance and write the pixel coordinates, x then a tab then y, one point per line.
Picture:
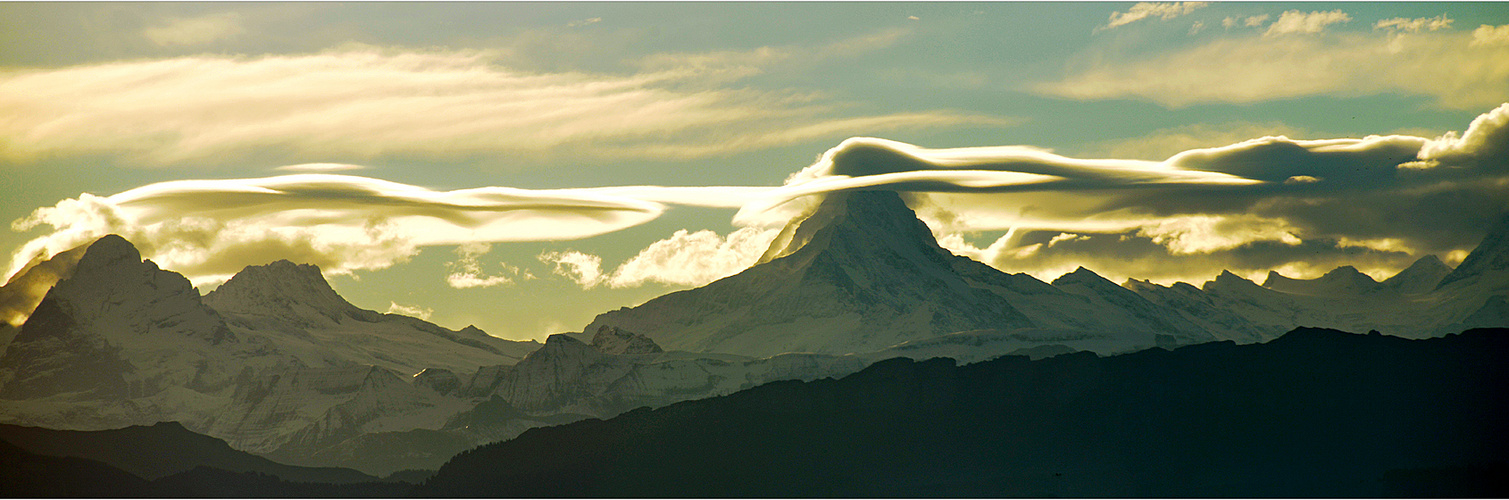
281	289
612	340
1083	276
851	220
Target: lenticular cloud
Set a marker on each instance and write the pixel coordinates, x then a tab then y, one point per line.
208	229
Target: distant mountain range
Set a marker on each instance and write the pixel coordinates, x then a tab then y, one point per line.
862	273
275	362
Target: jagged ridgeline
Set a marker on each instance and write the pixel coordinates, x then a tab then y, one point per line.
862	273
274	362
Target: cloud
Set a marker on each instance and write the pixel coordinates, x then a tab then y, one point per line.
1447	66
320	167
694	258
1414	25
1490	36
1250	21
1163	143
1146	10
414	311
209	229
585	269
466	270
1296	22
195	30
870	163
436	103
584	22
1303	205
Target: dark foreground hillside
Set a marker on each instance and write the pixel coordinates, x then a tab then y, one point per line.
1314	413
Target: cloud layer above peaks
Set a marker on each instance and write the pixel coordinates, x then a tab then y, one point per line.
1268	201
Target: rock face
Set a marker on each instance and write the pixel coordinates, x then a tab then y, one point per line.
612	340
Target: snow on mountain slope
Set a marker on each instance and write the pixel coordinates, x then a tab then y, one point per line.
1342	281
861	274
120	328
1420	277
1491	257
1202	309
294	305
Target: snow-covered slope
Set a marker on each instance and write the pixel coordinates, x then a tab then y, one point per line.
861	274
119	328
1342	281
294	306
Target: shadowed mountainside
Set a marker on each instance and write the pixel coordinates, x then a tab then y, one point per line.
1313	413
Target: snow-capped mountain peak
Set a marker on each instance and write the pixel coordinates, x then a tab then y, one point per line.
1420	277
1491	255
282	289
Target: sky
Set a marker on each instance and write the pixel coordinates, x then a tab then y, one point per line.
523	167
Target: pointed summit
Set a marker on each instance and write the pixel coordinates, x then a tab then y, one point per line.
860	273
855	218
1490	257
282	289
1420	277
118	327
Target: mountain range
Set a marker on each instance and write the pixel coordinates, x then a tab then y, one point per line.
274	362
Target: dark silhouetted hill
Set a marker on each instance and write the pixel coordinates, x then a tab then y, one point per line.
1315	413
161	450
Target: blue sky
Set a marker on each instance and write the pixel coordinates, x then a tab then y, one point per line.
395	114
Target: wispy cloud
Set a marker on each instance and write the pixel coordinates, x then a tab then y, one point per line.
415	311
195	30
1414	25
466	270
585	269
1457	69
439	103
1249	21
694	258
1297	22
1148	10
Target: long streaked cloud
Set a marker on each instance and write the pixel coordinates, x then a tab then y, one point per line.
209	229
1456	69
440	103
1267	201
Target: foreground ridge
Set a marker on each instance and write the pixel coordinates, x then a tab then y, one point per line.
1313	413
